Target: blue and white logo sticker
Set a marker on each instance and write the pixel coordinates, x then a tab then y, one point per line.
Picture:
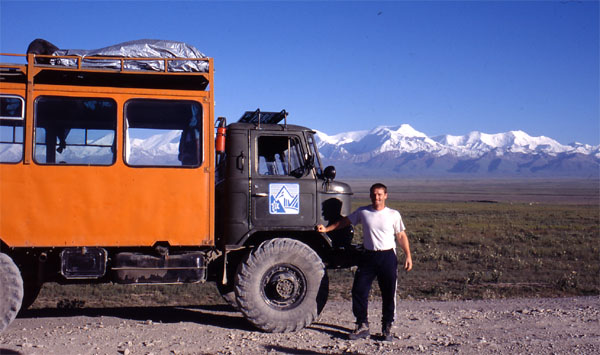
284	198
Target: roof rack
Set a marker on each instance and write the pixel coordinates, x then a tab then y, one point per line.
109	71
121	64
147	65
259	117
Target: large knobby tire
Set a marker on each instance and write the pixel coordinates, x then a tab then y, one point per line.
281	286
11	291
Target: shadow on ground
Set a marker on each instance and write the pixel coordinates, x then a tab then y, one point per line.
288	350
335	331
222	316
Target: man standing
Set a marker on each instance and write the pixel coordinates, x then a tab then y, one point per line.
382	226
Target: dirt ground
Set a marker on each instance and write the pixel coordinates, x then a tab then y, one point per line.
507	326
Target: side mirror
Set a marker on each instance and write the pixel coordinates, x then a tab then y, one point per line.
329	173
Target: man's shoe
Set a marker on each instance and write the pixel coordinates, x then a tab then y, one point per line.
361	332
386	332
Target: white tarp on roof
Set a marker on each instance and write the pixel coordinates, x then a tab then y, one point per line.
144	48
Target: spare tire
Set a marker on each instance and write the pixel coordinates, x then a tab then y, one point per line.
281	286
11	291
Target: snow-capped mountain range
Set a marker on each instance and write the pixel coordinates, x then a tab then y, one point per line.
384	152
404	151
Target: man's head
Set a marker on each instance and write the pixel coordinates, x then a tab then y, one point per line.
378	194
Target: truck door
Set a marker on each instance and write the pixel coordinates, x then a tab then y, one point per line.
283	188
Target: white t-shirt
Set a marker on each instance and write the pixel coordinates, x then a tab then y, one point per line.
379	227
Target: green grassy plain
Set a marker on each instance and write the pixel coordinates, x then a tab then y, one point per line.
469	240
473	250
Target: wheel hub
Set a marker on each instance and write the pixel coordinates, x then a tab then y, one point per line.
283	286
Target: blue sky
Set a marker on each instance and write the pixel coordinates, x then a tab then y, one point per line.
448	67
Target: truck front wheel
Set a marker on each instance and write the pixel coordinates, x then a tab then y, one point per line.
11	291
281	286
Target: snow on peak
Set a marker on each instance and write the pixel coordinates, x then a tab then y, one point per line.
404	130
340	138
407	131
512	141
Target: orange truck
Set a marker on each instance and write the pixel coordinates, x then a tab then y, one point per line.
111	172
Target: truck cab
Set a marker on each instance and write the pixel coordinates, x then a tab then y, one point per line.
271	182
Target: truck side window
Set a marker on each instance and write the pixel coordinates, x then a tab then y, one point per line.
279	155
163	133
12	116
75	130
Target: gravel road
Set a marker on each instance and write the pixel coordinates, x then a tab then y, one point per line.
508	326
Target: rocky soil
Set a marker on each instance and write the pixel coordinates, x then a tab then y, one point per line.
508	326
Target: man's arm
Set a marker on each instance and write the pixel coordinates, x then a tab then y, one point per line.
340	223
402	239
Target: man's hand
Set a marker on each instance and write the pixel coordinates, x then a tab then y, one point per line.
402	239
340	223
408	263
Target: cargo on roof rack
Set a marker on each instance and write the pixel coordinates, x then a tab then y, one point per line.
153	55
148	64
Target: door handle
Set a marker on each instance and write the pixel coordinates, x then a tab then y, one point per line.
240	161
260	194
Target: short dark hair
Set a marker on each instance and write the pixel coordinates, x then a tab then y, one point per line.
378	186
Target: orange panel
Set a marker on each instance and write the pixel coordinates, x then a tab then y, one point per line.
62	205
107	206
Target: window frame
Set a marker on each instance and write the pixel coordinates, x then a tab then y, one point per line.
14	135
287	163
113	146
200	126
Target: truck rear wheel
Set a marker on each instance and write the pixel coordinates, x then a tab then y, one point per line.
281	286
11	291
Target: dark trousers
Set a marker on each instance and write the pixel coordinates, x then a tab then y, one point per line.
382	265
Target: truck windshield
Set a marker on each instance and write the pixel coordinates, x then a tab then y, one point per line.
315	153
